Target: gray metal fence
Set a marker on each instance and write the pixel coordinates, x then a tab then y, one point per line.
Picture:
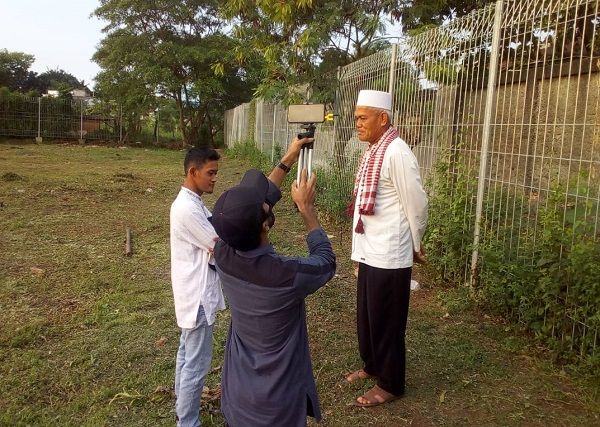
265	124
57	118
510	96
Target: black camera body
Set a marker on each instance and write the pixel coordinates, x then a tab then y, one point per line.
308	131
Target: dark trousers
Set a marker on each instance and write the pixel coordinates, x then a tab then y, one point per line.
382	311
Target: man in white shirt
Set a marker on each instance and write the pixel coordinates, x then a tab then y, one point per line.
196	287
389	219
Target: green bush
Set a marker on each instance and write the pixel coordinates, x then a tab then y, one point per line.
248	150
334	192
448	239
552	283
545	276
19	116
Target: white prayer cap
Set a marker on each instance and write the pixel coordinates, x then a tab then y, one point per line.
374	98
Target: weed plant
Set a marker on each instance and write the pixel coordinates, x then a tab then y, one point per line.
247	150
335	191
544	275
448	239
551	283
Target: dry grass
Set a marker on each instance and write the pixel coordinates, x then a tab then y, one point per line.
88	335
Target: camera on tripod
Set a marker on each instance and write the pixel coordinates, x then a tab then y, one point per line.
306	115
309	131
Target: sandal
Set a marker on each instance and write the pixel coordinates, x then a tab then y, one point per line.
375	396
357	375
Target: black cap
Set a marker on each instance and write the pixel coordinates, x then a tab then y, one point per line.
238	214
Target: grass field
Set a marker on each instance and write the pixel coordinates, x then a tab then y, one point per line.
88	335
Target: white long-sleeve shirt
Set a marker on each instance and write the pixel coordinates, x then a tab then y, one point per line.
192	241
396	229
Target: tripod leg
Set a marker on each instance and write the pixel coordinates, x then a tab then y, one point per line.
300	164
309	162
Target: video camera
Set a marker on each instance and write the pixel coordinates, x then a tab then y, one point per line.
306	115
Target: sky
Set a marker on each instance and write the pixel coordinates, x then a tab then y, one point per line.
59	33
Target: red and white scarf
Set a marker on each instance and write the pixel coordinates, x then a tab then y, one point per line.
368	174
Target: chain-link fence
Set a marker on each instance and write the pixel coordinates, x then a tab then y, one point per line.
57	118
502	109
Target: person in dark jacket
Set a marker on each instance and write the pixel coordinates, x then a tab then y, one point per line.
267	372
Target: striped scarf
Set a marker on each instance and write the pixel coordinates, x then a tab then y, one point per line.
368	173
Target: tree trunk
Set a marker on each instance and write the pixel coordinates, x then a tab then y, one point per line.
182	125
156	128
195	124
210	130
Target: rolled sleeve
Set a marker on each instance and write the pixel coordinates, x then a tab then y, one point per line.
273	194
315	270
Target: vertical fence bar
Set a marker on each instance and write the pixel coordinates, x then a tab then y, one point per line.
262	125
120	123
393	70
157	123
273	136
39	124
81	121
489	103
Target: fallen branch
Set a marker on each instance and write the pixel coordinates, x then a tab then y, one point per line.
128	247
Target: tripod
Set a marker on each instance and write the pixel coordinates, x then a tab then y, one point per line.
306	152
305	160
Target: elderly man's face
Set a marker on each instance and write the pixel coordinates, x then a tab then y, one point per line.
371	123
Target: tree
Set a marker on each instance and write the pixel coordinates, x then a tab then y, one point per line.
173	49
302	42
15	75
427	13
123	82
14	69
57	79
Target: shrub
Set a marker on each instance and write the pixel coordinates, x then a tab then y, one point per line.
552	284
247	150
544	276
334	192
450	226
